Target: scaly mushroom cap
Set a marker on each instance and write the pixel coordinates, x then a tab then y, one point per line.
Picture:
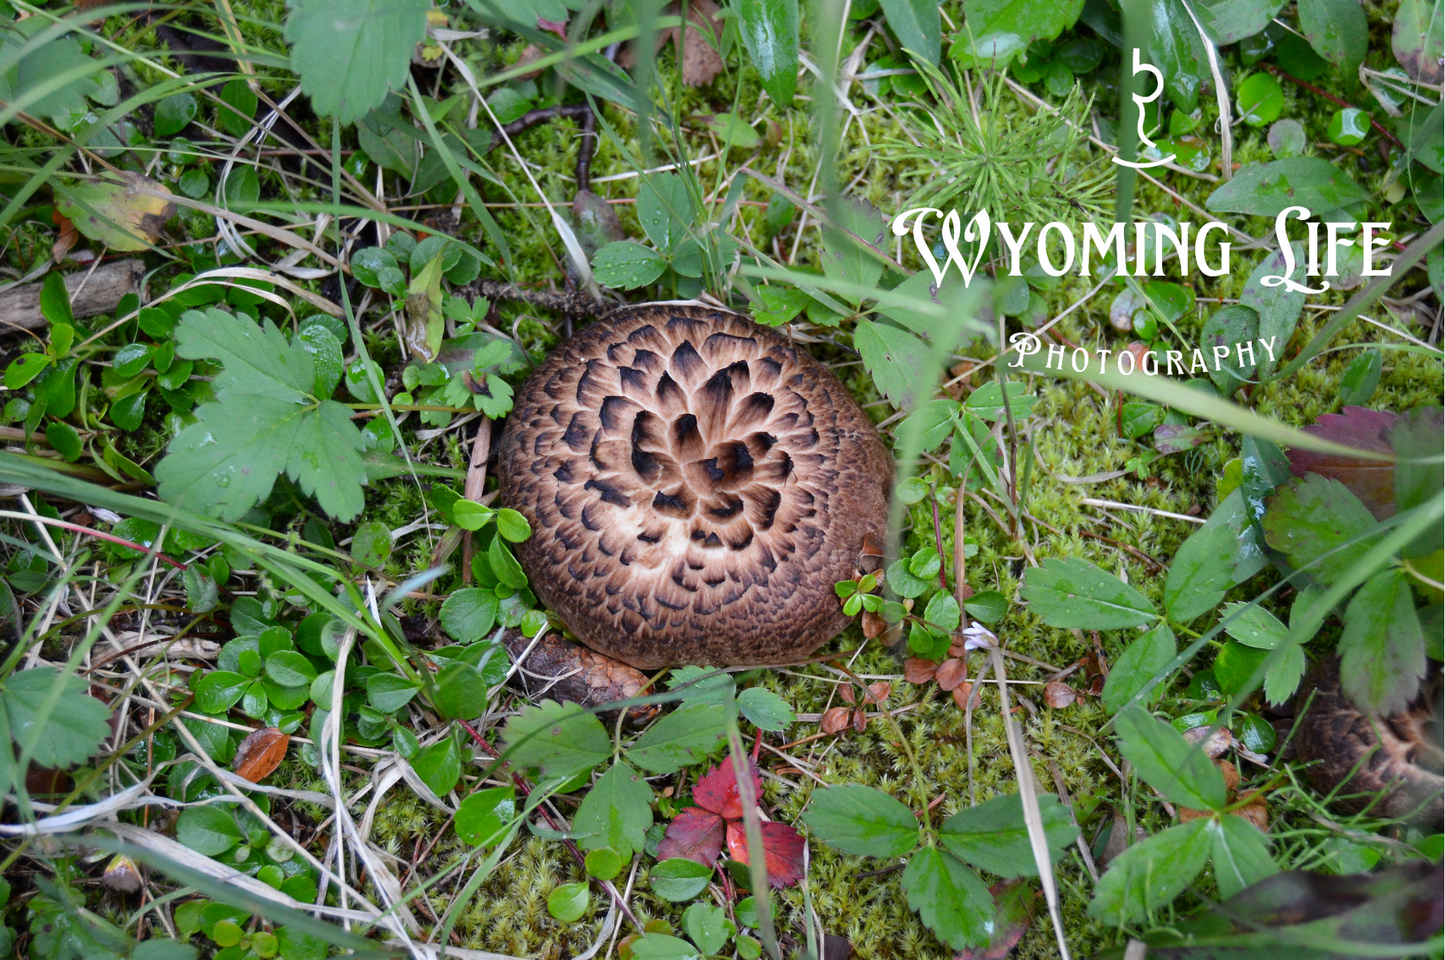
696	486
1391	766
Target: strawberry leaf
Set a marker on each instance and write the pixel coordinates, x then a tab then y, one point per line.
695	834
1371	481
782	851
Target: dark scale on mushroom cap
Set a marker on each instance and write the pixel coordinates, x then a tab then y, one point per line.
696	486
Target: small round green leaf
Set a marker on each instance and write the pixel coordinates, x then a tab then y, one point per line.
1260	99
484	813
604	863
568	902
1349	126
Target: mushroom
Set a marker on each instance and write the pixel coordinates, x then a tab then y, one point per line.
1389	766
696	486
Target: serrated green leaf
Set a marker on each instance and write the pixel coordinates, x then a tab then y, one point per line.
895	359
626	265
1151	873
1240	854
682	738
1382	650
1320	525
1181	772
351	53
861	820
615	813
1070	592
1137	665
562	739
1218	555
765	709
993	836
950	898
74	725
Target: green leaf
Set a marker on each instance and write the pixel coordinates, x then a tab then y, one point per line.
325	352
1229	21
512	525
994	837
1254	626
1260	99
1176	48
25	368
604	863
615	813
950	899
1278	307
65	440
862	821
627	265
660	946
389	692
682	738
1226	328
567	902
74	729
1339	32
55	302
238	106
262	425
219	690
351	53
1282	677
1240	854
679	879
916	25
987	605
896	360
1419	473
1266	189
1000	30
42	64
1150	874
665	210
1361	377
769	30
461	692
1182	773
209	830
562	739
290	669
706	926
470	613
1313	521
371	544
765	709
1137	665
484	814
1382	650
173	114
1070	592
117	213
439	766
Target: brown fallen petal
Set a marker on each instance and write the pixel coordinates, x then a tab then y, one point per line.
1058	694
952	672
1216	741
961	695
260	753
919	671
835	720
122	875
586	677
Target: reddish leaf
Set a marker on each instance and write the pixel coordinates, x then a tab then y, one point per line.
1372	481
717	790
919	671
782	851
951	673
260	753
961	694
559	27
878	692
835	720
1058	694
1013	905
695	834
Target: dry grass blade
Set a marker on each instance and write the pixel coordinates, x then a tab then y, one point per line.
1024	773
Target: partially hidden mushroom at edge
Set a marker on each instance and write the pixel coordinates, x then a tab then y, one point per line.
696	486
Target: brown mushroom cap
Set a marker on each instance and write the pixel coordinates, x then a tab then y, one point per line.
696	486
1390	766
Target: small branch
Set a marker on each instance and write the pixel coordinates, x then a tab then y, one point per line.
1335	100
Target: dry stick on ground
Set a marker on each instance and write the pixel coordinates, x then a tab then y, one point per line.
92	293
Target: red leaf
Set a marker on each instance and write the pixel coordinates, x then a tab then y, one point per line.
695	834
1372	481
782	851
717	790
260	753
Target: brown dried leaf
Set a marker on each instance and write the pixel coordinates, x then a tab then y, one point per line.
128	214
878	692
68	237
860	720
845	692
1256	811
919	671
952	672
1013	909
1372	481
122	875
961	695
835	720
873	624
1231	775
700	58
1218	743
1058	694
260	753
